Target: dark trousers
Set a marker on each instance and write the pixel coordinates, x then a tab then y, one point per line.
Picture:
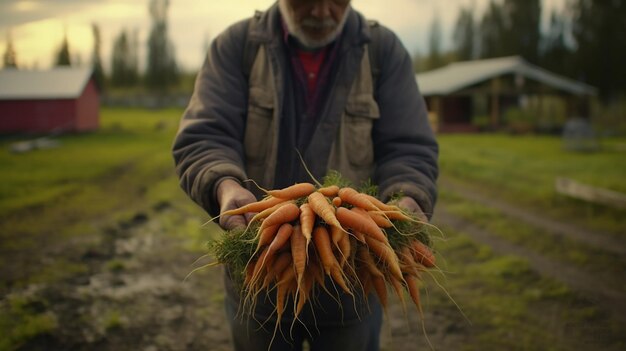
250	334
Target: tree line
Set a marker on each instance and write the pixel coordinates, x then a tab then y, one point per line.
584	41
161	68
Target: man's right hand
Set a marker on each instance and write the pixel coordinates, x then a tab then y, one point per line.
231	195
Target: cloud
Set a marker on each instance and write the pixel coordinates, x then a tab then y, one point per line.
37	25
14	13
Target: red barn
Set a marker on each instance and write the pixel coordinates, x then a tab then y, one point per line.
63	99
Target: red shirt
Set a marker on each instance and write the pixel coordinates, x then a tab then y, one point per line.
311	63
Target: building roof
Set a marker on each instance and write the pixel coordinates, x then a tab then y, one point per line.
460	75
56	83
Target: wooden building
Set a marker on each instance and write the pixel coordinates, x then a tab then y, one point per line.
62	99
452	92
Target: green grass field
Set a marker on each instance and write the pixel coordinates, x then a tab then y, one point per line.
92	179
50	196
127	138
529	164
523	169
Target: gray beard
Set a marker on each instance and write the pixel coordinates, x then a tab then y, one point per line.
297	32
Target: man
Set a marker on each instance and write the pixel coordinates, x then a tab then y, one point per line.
310	78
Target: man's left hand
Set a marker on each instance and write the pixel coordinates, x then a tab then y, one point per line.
409	204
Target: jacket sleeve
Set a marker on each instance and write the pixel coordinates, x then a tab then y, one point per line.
208	145
405	147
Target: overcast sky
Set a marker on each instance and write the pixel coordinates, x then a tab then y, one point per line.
37	26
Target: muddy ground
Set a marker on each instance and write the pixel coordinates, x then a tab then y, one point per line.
135	295
130	291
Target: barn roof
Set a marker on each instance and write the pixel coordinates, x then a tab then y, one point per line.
460	75
56	83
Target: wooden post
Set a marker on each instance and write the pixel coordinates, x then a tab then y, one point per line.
437	107
541	108
569	187
495	103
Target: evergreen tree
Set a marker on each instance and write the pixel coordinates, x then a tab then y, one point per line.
123	67
511	27
162	71
522	31
599	30
96	61
464	35
555	53
9	58
435	56
133	56
63	55
491	28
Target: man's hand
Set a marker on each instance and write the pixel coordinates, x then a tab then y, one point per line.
231	195
409	204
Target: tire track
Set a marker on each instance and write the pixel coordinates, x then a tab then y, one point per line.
594	285
603	241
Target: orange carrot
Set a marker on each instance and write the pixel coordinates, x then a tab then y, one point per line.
337	201
293	192
254	206
355	198
365	258
407	263
304	291
317	272
283	261
422	254
280	264
298	252
307	221
282	236
337	274
264	214
380	220
259	264
284	214
397	286
360	222
267	235
397	215
344	247
358	236
329	191
249	273
321	239
386	254
282	289
412	284
381	205
336	233
322	208
268	211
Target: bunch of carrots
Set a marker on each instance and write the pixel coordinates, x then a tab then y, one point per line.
304	233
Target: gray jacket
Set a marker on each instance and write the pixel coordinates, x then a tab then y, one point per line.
370	128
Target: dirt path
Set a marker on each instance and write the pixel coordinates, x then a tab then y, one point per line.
132	294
